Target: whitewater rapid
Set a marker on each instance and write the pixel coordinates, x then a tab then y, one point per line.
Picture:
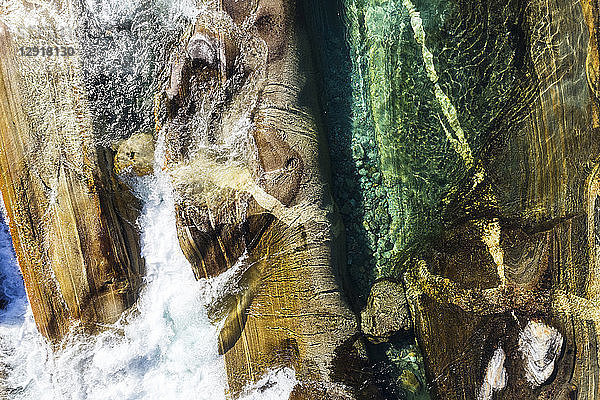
164	348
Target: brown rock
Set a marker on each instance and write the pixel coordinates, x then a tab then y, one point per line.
534	253
72	224
251	177
386	313
135	154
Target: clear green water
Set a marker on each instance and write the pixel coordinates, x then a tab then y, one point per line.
407	112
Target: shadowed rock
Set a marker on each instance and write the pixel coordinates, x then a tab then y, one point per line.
386	313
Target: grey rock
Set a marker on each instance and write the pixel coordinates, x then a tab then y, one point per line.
203	51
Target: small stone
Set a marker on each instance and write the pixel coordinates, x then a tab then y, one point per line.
409	381
411	357
372	240
135	154
386	313
357	151
361	349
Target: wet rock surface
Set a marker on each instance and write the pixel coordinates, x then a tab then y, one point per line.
386	313
540	347
487	122
248	160
135	155
72	224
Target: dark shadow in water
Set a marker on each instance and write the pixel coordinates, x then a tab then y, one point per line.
327	34
13	300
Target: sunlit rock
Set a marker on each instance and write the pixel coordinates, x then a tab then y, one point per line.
248	160
495	376
540	346
72	224
135	154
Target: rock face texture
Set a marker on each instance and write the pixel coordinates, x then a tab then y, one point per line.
72	224
247	155
482	118
518	242
135	155
386	313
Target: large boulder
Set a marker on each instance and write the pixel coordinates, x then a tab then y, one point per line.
386	313
248	159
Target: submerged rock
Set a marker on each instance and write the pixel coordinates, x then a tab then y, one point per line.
409	381
495	184
386	313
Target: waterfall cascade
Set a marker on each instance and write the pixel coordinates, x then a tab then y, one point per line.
164	348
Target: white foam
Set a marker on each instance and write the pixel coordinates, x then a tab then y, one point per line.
275	385
167	350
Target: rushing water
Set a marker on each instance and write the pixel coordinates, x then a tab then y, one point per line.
165	348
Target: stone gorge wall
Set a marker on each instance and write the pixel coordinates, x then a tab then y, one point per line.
72	223
481	153
247	153
505	299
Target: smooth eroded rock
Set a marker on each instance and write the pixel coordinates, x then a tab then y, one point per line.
135	154
540	347
386	313
248	160
72	223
